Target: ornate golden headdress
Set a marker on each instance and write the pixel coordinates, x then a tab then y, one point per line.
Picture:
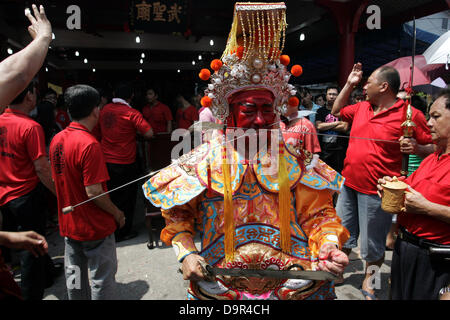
252	59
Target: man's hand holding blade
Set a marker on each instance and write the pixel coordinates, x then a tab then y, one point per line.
193	268
332	260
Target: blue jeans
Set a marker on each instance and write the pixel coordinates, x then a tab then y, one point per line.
362	215
100	260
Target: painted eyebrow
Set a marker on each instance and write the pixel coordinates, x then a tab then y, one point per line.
248	104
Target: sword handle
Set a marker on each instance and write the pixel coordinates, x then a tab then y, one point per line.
408	129
405	164
442	251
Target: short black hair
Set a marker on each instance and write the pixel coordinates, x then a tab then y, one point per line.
445	93
19	99
332	87
80	100
155	90
304	91
357	93
391	76
320	95
123	90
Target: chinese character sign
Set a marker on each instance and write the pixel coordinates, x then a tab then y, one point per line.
163	16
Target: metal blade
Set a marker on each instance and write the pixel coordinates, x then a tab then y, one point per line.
413	51
278	274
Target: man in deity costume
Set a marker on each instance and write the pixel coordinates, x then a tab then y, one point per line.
256	209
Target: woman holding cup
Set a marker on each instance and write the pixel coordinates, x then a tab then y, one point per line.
421	257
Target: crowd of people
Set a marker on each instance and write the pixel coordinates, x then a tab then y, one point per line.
64	150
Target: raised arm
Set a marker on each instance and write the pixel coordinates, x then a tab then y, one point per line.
18	70
353	79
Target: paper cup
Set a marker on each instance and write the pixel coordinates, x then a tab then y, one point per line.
393	196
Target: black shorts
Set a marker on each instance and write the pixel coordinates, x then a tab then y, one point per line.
416	274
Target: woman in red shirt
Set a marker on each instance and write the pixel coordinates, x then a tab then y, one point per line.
420	264
157	114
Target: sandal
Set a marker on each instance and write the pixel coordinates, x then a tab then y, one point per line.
368	295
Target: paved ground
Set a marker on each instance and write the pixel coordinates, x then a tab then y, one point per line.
145	274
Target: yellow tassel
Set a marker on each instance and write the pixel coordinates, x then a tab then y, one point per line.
284	202
228	208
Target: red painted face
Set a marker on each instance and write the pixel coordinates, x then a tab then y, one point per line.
253	109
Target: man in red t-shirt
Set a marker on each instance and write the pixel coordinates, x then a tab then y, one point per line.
375	152
157	114
418	273
187	114
24	174
79	172
117	128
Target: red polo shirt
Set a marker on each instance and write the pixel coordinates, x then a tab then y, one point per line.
301	133
118	126
432	180
22	141
157	116
77	161
186	118
368	160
